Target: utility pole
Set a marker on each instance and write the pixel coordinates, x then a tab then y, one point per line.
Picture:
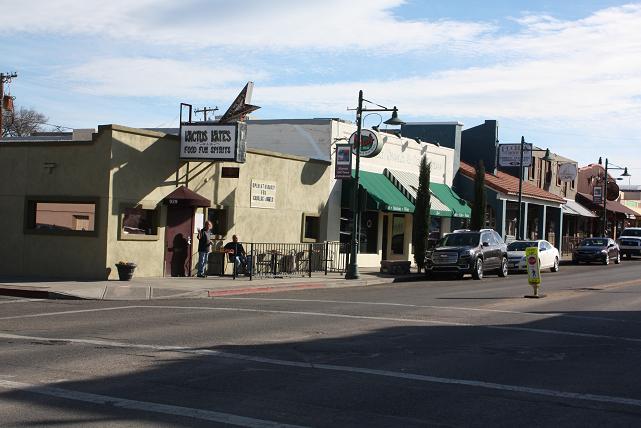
4	78
204	110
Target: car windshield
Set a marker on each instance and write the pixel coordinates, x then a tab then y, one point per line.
521	245
631	232
460	240
592	242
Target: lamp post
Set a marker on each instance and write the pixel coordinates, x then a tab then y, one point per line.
547	158
605	190
352	267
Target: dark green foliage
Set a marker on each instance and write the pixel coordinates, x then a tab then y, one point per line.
477	221
421	222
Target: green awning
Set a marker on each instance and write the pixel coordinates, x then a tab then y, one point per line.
452	200
384	195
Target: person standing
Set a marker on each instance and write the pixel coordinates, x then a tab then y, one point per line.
204	245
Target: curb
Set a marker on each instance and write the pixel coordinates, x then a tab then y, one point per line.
36	293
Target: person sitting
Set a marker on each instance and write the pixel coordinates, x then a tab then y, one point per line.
237	254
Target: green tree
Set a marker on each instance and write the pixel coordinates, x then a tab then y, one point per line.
23	122
421	222
477	220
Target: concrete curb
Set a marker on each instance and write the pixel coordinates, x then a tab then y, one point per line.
36	293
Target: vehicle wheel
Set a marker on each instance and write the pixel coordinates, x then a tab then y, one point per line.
575	262
606	261
618	259
477	273
555	267
503	269
629	255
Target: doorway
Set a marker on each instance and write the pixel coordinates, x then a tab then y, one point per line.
180	223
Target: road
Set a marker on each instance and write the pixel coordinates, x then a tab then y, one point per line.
433	353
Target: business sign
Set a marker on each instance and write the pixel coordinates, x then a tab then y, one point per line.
369	145
533	268
263	194
343	165
597	195
510	155
213	142
567	171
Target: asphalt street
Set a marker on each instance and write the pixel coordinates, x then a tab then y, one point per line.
430	353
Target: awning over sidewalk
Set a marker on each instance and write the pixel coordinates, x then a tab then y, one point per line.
385	195
574	208
452	200
612	206
182	196
407	183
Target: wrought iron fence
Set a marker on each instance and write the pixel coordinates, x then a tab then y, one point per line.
279	260
570	243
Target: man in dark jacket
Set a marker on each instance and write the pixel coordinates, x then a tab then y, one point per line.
237	254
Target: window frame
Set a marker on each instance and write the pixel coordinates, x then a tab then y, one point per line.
137	237
303	231
29	215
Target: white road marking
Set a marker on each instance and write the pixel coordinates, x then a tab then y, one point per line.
335	315
21	301
79	311
346	369
206	415
454	308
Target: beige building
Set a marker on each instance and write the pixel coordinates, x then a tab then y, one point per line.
75	205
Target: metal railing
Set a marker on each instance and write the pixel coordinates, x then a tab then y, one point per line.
569	243
279	260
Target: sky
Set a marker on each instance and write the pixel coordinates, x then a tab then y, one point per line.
566	75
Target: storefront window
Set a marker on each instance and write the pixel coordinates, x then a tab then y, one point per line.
218	219
398	234
66	217
138	221
369	232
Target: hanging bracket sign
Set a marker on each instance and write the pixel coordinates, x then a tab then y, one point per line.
369	145
510	155
343	165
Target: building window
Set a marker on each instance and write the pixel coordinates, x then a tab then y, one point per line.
311	228
218	219
139	221
490	217
61	217
398	234
230	172
369	233
572	185
532	170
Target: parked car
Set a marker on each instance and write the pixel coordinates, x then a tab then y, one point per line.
473	252
630	242
548	255
601	250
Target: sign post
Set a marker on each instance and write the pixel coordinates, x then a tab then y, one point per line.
533	271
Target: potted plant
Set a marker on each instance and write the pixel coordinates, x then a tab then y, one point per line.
125	270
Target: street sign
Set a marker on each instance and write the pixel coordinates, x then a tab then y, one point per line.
567	171
510	155
343	165
597	195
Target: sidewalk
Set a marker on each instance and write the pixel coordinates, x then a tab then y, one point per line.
185	288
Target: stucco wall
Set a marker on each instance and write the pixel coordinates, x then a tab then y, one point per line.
80	171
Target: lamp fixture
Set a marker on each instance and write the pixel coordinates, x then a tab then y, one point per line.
394	120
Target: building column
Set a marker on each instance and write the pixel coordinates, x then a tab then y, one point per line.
524	225
559	231
543	228
503	216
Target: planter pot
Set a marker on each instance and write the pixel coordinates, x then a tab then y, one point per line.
125	272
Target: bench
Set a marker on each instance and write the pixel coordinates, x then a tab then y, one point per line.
395	267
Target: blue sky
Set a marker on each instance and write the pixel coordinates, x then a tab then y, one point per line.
565	74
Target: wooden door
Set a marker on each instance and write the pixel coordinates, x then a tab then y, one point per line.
178	236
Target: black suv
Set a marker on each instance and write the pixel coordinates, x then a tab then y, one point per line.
464	251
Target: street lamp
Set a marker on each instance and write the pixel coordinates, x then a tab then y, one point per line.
352	267
605	189
547	158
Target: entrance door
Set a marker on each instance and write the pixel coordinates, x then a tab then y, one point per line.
178	241
384	243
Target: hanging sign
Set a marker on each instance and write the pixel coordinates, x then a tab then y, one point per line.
510	155
369	146
597	195
213	142
567	171
343	165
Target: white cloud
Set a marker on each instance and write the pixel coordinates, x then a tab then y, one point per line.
153	77
253	24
